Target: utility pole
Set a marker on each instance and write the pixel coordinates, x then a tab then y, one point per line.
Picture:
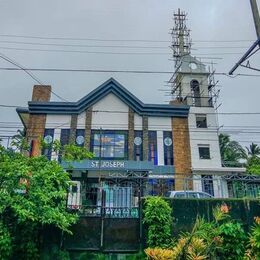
256	17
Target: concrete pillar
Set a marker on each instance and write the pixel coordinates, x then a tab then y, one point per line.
73	128
131	134
145	138
88	123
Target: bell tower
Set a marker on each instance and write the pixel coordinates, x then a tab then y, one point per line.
193	84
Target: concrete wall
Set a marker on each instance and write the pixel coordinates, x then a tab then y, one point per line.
110	120
204	136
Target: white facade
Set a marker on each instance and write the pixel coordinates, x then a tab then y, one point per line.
111	113
204	136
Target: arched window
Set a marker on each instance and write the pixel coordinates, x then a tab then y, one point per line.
195	92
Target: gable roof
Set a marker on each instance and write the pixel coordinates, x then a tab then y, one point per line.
110	86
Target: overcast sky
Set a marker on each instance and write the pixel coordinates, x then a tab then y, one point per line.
212	20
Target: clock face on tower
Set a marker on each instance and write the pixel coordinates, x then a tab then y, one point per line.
193	65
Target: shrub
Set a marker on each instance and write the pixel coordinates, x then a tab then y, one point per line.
157	216
253	250
5	242
159	254
234	239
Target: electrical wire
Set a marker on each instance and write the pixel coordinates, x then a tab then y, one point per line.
108	52
115	71
29	73
109	40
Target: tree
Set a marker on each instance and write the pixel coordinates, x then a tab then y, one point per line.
231	151
19	141
253	165
33	195
253	150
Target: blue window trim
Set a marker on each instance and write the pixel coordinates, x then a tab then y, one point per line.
138	133
152	140
80	132
168	150
47	152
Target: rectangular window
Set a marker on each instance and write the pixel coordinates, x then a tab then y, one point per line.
112	144
152	147
64	136
138	146
80	137
64	139
201	121
48	139
204	152
207	184
168	148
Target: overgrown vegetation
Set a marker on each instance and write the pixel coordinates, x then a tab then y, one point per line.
233	154
222	238
33	195
157	216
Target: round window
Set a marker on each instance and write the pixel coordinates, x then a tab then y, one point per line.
48	139
193	65
138	140
168	141
80	139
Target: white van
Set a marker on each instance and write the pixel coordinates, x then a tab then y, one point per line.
188	194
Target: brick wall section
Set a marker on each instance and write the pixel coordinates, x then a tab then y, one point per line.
73	128
41	93
131	134
88	128
36	125
182	155
145	138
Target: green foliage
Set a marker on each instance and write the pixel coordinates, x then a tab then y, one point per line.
231	151
19	141
91	256
72	152
69	152
253	150
32	195
219	239
157	216
253	251
5	242
253	166
55	253
234	239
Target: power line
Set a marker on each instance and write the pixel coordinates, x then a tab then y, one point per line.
116	71
108	52
116	46
108	40
27	72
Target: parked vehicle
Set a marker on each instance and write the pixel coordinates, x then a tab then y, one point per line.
188	194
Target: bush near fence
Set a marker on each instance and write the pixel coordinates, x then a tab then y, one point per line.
185	212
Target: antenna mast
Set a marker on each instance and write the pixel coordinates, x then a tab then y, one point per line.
181	42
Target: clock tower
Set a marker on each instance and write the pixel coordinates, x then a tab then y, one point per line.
193	84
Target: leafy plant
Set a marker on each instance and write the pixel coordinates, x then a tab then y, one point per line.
231	151
5	242
157	216
253	250
234	239
253	166
32	195
159	254
19	141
